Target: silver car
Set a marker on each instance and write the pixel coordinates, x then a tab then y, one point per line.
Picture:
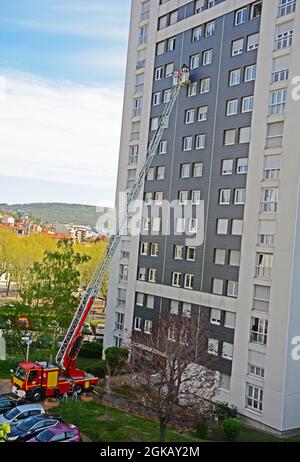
18	413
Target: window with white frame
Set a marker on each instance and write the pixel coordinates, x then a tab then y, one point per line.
284	35
272	167
215	316
137	107
264	265
213	347
222	226
148	198
230	320
256	371
229	137
252	41
160	48
167	95
225	195
152	275
154	249
188	143
144	248
250	73
160	173
220	256
154	123
189	281
207	57
183	197
227	351
205	85
210	29
200	141
198	169
227	167
140	299
117	341
156	224
143	34
234	77
281	67
147	326
244	135
163	145
241	16
185	170
163	22
278	101
158	197
169	70
247	104
196	34
123	273
119	324
156	98
142	274
286	7
192	89
202	113
237	47
178	252
186	310
256	9
232	289
151	174
190	116
171	44
242	165
237	227
195	61
196	197
191	253
259	331
180	225
232	107
217	287
176	279
150	301
174	307
269	203
240	196
138	324
159	73
146	223
173	17
234	258
193	225
254	398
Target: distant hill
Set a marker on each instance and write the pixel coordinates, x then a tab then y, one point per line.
58	212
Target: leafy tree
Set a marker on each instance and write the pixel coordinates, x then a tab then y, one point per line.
231	429
116	358
4	431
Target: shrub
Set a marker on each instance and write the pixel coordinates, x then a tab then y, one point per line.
91	350
231	429
98	371
116	357
224	411
202	429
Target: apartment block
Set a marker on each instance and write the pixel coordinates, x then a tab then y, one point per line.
231	144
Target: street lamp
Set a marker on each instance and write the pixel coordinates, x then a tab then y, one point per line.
27	339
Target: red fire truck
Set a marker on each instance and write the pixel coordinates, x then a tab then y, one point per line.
38	380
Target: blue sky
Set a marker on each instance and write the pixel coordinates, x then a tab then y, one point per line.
62	66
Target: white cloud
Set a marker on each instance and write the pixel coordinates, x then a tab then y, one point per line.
64	133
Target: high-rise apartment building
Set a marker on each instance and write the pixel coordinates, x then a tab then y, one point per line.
232	143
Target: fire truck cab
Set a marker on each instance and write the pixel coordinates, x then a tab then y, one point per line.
38	380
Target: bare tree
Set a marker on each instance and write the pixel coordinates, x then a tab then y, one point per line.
171	370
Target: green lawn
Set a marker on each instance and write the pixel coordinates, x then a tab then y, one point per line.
5	367
120	427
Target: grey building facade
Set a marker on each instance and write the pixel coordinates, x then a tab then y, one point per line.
230	147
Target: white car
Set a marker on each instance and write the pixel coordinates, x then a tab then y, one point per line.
18	413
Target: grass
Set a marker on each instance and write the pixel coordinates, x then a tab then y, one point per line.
5	367
88	363
120	427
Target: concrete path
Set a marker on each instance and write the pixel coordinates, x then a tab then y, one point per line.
5	386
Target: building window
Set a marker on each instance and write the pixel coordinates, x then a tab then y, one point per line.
234	77
222	226
154	250
202	113
169	70
286	7
280	76
167	95
256	10
244	135
218	286
173	17
232	107
140	299
254	398
156	98
205	85
256	371
230	319
176	279
272	167
195	61
154	123
189	281
207	57
158	198
227	167
163	22
151	174
147	326
225	195
119	324
229	137
200	141
185	170
183	197
192	89
264	264
234	258
213	347
242	166
117	341
198	169
241	16
196	34
237	47
171	44
278	102
142	274
220	256
158	73
152	275
240	196
250	73
269	203
150	301
163	145
148	198
193	225
215	316
210	29
196	197
284	36
232	289
143	34
138	324
259	331
178	252
186	310
252	42
160	48
190	116
144	248
188	143
160	173
237	227
191	254
247	104
227	351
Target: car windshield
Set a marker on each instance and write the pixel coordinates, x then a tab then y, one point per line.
9	415
4	404
25	424
45	436
21	373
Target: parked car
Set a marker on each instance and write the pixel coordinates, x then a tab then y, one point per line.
32	426
62	433
7	403
13	416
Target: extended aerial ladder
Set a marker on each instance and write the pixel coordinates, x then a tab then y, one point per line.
69	349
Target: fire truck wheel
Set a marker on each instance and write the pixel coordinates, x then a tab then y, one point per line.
79	389
37	395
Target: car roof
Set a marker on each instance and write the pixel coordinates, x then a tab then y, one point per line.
29	407
63	427
40	417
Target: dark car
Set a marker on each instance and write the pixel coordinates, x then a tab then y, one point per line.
7	403
61	433
32	426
